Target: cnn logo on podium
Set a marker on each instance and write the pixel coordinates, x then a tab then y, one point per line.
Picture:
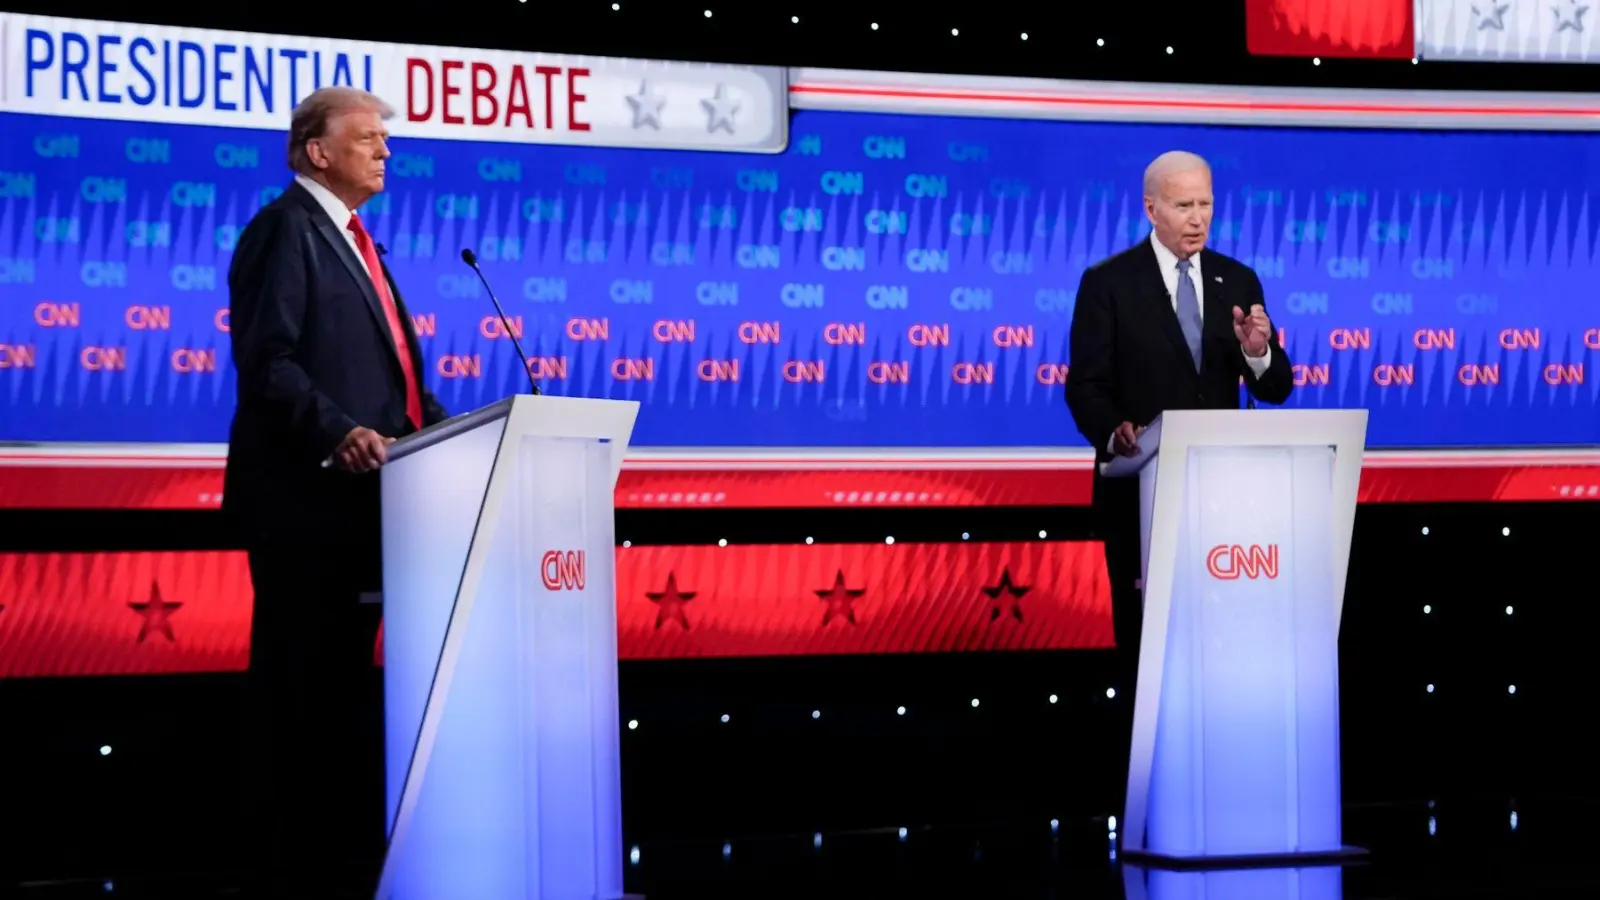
1230	562
562	570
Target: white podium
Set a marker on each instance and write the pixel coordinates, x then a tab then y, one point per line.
500	654
1246	521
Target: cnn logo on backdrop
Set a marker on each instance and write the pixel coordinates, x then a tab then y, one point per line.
1230	562
562	570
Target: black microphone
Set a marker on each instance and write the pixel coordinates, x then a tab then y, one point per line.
471	259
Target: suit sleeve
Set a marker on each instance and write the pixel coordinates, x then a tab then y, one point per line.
1092	340
267	298
1277	382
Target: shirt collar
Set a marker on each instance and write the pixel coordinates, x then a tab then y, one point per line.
1169	260
333	206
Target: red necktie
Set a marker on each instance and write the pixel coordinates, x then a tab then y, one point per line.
369	255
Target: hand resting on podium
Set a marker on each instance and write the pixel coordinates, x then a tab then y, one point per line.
362	450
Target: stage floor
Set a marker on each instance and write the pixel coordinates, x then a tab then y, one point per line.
1480	847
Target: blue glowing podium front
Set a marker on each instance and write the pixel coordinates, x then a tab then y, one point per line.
500	654
1246	519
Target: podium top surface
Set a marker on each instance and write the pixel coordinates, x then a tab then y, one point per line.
1345	428
415	443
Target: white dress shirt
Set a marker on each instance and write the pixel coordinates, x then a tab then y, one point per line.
1168	262
339	213
1169	274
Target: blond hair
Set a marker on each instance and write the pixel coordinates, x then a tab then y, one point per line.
310	119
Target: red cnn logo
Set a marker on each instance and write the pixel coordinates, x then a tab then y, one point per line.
1229	561
562	570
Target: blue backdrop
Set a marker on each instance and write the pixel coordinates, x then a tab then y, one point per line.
888	281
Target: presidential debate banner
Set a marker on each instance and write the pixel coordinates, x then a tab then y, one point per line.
886	280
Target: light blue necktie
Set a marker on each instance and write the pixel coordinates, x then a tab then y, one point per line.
1189	311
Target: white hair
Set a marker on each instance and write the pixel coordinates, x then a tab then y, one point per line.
310	119
1168	164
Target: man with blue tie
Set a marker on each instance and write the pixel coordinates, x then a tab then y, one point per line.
328	369
1162	326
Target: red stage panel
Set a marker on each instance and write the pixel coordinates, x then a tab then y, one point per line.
167	613
1371	29
123	613
155	477
827	599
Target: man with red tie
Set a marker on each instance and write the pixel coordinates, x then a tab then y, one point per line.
328	369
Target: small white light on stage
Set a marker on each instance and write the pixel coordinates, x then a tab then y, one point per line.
1111	693
108	887
1430	804
965	536
1430	688
899	710
105	749
1169	51
727	850
633	724
794	20
1433	825
708	13
874	26
1513	820
1055	825
1316	60
1043	534
724	718
810	540
1427	609
1505	532
1053	698
955	32
1111	823
903	831
627	544
974	702
1509	610
1099	42
816	714
889	539
1424	531
722	542
633	855
1511	689
1112	837
615	7
1024	35
1413	60
816	839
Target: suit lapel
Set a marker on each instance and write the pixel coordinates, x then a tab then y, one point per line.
352	264
1218	308
1153	295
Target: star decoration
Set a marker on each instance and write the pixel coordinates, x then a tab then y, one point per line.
669	603
156	613
1013	592
721	107
840	600
1575	23
1494	18
646	106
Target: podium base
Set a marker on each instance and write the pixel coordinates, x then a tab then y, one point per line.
1337	857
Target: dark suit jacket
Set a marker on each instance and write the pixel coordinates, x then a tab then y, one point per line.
1130	362
315	359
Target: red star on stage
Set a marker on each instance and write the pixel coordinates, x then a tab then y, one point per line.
670	601
1013	594
156	613
840	600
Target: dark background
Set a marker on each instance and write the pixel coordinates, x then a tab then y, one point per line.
167	797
